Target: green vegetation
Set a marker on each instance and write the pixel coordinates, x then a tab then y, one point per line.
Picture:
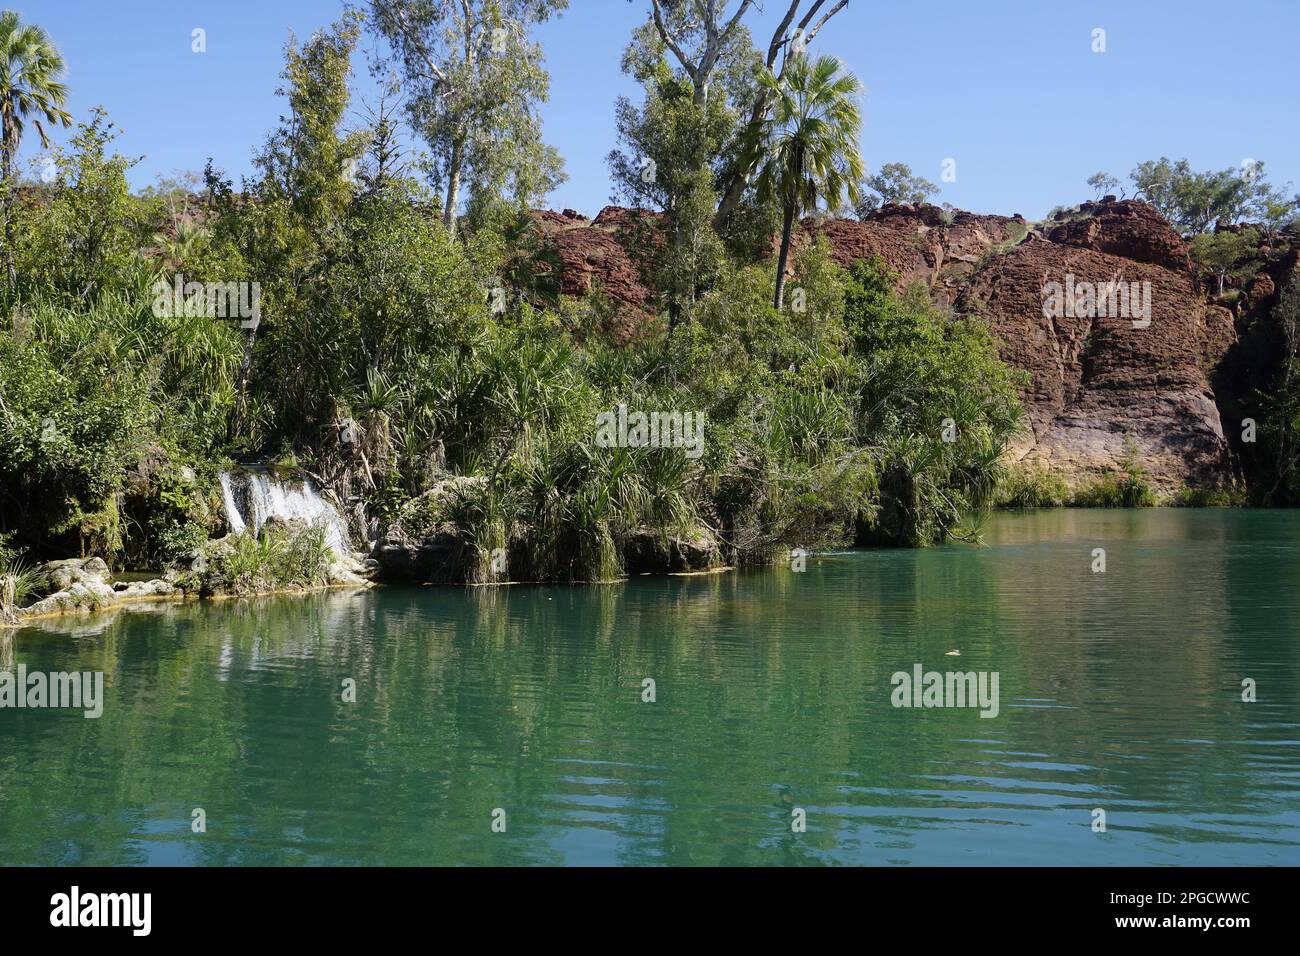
893	183
278	559
418	359
1129	488
860	414
1227	254
1205	497
1194	201
20	582
808	144
1032	486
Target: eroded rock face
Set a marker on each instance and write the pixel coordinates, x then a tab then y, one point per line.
1093	381
645	552
1096	380
1125	228
921	243
609	251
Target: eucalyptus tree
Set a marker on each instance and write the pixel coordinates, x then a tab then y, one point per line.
31	87
473	83
284	236
806	150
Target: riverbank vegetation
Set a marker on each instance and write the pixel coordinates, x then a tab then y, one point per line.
388	356
402	328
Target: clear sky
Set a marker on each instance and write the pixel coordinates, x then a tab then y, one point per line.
1009	89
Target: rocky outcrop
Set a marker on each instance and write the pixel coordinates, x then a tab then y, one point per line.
609	253
645	552
1100	381
423	543
1095	382
81	585
938	247
1127	229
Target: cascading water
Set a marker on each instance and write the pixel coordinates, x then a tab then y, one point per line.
253	497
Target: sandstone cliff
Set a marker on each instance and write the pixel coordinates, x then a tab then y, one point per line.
1096	379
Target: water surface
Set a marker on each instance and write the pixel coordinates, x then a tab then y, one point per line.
1119	691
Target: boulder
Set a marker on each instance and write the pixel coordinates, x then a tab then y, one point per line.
422	544
89	571
647	552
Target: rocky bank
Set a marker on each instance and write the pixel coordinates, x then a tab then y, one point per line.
1094	380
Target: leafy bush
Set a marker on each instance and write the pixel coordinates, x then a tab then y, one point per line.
1207	497
1032	486
274	560
1127	489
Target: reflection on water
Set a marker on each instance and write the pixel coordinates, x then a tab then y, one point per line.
1119	690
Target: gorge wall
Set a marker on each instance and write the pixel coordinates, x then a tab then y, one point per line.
1095	381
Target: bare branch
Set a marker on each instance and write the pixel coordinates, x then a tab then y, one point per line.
779	37
412	37
670	41
812	12
822	22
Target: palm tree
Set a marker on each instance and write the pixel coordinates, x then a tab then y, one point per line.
808	145
30	68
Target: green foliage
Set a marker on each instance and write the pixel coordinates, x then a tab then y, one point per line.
894	183
1228	254
380	367
1208	497
1129	488
275	560
1030	486
27	581
806	150
31	88
1104	183
474	83
81	239
935	399
1193	201
71	419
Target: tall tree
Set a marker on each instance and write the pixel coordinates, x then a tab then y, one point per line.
31	69
791	37
474	82
697	32
895	183
806	150
301	197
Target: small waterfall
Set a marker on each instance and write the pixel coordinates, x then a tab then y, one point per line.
253	497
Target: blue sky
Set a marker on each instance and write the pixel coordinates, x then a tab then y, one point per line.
1010	90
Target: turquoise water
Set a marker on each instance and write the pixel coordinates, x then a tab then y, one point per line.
1118	690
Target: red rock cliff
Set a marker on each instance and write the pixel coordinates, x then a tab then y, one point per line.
1095	379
